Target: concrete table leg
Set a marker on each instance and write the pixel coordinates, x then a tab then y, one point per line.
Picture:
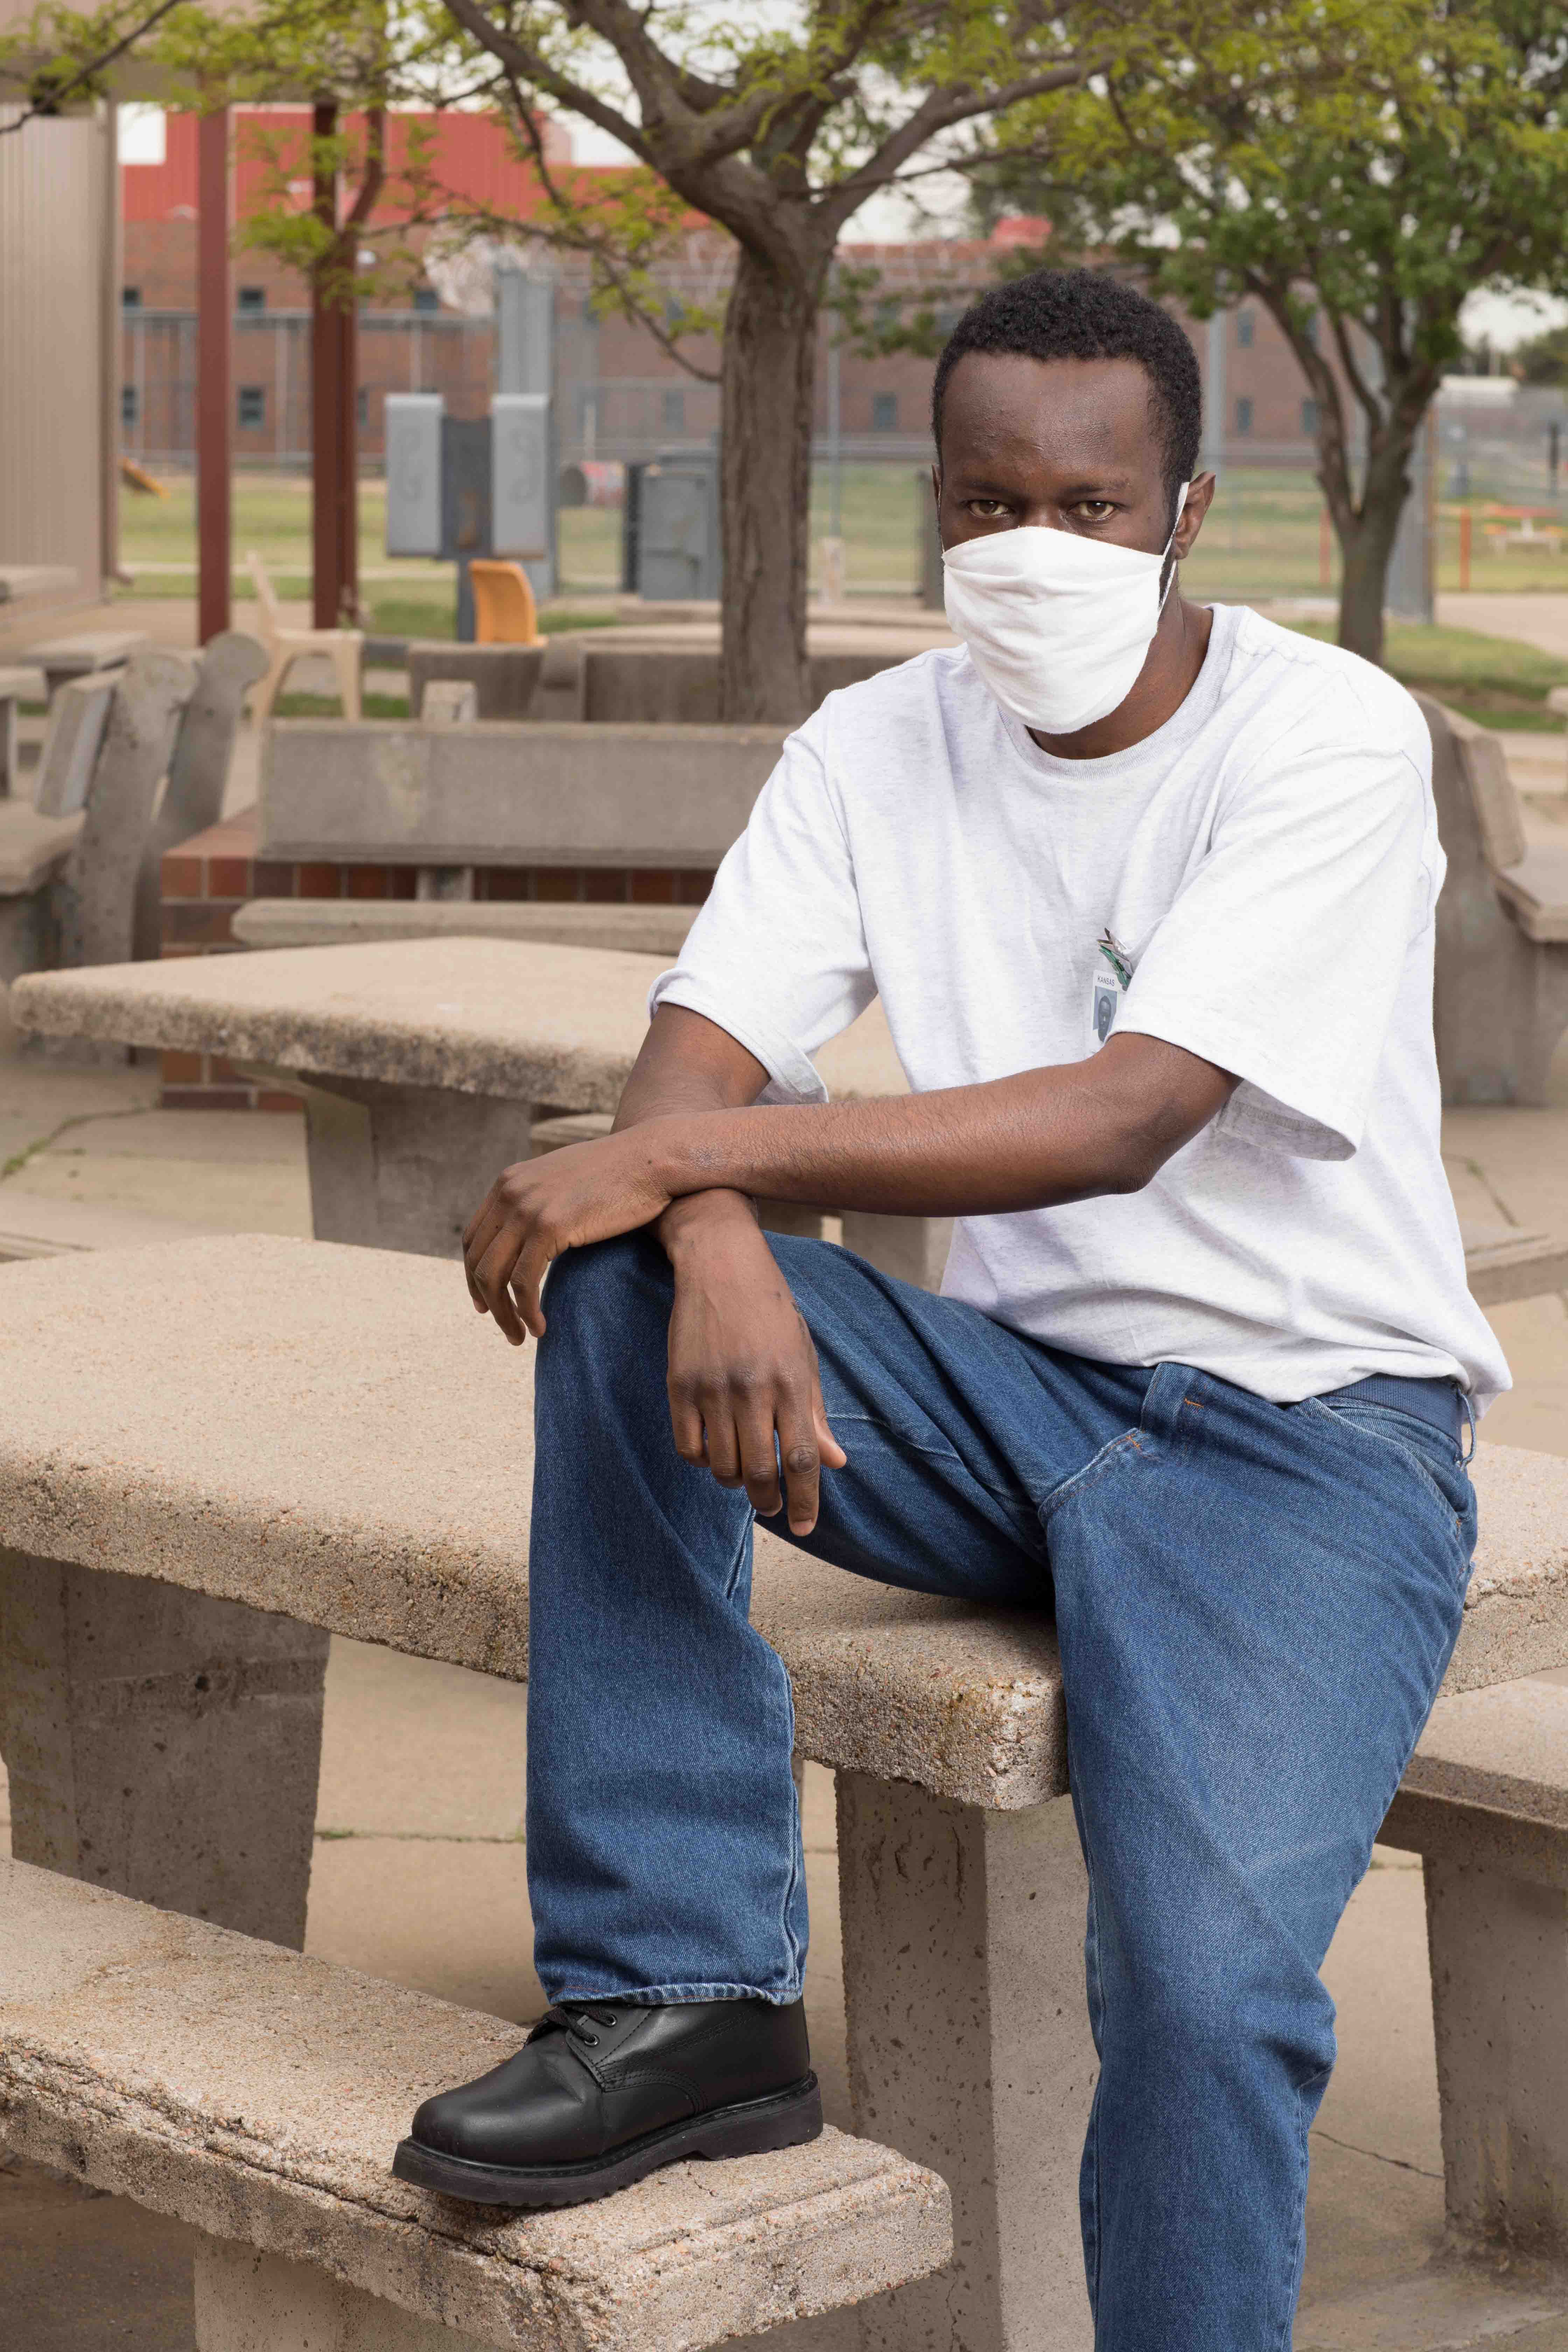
401	1168
1499	2006
969	2051
161	1744
914	1248
251	2302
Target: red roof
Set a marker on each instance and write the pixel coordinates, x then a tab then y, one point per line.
472	154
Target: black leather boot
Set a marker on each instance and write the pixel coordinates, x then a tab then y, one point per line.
601	2092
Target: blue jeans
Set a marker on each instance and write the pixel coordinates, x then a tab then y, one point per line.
1255	1604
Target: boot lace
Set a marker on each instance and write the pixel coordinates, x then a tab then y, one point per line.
576	2020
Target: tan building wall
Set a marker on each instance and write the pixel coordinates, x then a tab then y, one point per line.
58	276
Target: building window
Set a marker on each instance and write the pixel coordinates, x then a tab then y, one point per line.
672	412
1308	417
426	299
361	406
129	408
131	298
884	412
1312	331
252	407
1244	417
250	299
1244	329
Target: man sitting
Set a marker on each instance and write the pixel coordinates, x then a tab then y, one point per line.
1147	892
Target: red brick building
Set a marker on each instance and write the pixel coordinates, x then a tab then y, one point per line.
619	392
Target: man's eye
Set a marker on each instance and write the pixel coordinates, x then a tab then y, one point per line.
987	510
1095	509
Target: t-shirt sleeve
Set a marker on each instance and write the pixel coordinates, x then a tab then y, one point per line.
777	956
1281	957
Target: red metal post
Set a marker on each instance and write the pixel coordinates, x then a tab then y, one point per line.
326	406
348	463
214	401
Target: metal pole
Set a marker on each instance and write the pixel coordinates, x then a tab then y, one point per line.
326	452
834	439
214	405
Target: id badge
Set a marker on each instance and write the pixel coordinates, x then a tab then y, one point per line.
1112	977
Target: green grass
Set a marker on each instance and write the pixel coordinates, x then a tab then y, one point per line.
399	615
1495	681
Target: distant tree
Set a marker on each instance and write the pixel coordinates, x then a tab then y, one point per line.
777	123
1544	359
1362	164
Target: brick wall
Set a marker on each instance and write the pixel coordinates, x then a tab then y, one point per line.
207	879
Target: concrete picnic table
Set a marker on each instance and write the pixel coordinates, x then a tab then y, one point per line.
26	583
421	1061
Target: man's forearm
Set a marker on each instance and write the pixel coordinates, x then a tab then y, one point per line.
1031	1141
662	1093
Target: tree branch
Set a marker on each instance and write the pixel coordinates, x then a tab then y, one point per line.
597	248
523	64
943	110
87	74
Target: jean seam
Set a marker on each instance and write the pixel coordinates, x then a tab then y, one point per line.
1018	1498
787	1937
1093	1470
1092	2145
1295	2256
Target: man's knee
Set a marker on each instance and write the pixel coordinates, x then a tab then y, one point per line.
601	1295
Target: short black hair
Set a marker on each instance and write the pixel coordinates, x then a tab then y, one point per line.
1088	314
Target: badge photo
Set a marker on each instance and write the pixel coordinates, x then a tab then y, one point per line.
1112	977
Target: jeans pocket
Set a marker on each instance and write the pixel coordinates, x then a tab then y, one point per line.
1422	1446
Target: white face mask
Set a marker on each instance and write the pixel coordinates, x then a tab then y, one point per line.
1057	625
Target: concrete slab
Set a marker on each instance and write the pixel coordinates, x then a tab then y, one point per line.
511	793
341	923
256	2093
419	1541
516	1019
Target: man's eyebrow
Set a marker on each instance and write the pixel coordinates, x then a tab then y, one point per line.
983	484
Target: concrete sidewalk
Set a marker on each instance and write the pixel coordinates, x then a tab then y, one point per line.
419	1871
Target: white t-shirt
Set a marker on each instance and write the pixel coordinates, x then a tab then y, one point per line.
1263	869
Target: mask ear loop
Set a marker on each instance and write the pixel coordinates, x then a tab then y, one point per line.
1175	527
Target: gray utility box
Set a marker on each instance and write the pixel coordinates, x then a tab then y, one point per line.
462	487
670	522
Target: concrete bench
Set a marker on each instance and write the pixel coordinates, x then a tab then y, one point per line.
64	657
596	680
258	2097
343	922
34	850
1504	1263
1501	996
1485	1803
211	1453
16	686
389	792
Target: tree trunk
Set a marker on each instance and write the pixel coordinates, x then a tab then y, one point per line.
768	386
1366	547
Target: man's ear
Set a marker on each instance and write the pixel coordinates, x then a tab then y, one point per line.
936	485
1196	504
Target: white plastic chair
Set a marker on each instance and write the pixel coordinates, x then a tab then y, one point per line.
341	647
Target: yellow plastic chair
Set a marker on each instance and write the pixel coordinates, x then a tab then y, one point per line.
504	609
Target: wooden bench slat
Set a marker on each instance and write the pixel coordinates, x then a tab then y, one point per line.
259	2096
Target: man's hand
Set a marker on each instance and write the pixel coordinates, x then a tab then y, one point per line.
584	1193
742	1367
